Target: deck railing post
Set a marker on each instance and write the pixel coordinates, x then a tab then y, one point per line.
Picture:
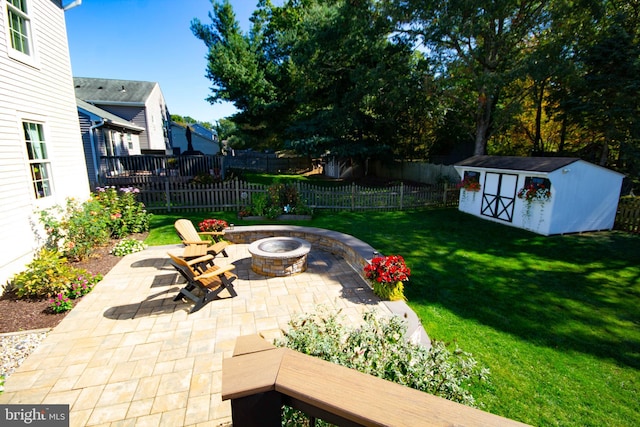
257	410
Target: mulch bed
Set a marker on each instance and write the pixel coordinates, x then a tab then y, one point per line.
25	314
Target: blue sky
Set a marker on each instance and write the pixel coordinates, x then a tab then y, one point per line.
150	40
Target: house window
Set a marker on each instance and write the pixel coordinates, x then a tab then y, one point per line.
129	141
472	176
19	26
39	163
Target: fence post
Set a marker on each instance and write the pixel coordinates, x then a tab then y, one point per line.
237	193
401	194
167	193
444	193
353	197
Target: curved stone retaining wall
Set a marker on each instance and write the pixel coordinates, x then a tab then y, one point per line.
356	252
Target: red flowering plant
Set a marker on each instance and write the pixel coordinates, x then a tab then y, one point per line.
469	184
387	273
216	225
534	192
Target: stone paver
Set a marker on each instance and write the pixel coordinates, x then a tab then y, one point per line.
127	354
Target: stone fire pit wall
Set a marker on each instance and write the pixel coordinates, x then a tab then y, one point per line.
279	263
354	251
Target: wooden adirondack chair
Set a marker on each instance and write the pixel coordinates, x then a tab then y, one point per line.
190	236
202	274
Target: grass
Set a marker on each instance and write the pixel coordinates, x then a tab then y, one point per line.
556	319
268	179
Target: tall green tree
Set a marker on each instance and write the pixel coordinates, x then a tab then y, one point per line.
323	75
239	70
607	98
485	42
357	88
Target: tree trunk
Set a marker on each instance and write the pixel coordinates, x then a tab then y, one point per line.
538	147
563	135
483	122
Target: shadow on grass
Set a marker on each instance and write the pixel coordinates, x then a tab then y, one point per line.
572	292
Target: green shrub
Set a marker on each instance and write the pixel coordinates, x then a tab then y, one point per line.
46	275
279	199
76	229
128	246
259	202
273	212
125	214
379	348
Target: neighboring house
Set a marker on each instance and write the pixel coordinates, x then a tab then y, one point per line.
203	141
105	134
140	103
211	134
41	158
558	194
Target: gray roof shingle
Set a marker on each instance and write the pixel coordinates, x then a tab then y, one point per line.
532	164
103	91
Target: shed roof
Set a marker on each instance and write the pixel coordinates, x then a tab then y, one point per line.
107	116
532	164
98	90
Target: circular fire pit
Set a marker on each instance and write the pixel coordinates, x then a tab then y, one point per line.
279	256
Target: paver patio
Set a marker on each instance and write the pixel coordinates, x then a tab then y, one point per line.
127	354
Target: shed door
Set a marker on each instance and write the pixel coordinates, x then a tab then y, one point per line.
499	195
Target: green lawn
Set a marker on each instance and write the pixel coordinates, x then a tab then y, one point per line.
556	319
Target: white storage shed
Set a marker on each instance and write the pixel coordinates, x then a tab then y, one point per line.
546	195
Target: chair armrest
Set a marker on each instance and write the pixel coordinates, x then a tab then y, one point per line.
196	242
200	260
217	272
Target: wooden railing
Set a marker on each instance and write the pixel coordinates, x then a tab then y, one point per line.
260	378
173	195
127	170
134	170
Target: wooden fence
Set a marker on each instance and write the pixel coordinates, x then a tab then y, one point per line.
174	195
628	216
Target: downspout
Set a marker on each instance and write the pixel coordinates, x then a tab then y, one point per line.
72	5
94	156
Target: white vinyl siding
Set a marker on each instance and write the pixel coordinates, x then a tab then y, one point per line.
44	95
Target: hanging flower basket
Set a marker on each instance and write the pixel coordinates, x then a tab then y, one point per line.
534	193
387	275
470	185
